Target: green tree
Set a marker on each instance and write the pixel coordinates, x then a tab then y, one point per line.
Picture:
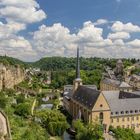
23	109
92	131
54	122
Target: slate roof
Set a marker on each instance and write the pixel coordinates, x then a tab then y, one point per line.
124	84
116	83
86	96
122	106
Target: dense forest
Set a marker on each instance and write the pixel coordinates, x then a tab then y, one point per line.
65	63
63	68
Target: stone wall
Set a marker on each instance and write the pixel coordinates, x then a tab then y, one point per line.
10	76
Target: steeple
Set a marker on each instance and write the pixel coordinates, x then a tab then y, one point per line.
78	65
78	80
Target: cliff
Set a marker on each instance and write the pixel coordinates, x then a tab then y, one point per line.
10	76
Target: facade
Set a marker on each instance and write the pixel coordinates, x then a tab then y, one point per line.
107	84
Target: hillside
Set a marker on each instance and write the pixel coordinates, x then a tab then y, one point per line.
64	63
6	60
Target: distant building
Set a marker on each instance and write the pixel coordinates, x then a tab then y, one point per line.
110	84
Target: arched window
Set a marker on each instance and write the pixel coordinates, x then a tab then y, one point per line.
101	117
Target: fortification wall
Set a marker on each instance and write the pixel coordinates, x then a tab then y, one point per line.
10	76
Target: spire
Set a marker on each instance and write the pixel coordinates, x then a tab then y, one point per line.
78	65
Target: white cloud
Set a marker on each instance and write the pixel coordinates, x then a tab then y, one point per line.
101	22
20	14
119	35
57	40
128	27
134	44
19	3
53	40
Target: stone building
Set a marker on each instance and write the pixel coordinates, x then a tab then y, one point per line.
117	106
10	76
111	84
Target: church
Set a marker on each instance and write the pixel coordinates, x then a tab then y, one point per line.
117	108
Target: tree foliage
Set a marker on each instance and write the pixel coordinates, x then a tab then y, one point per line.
91	131
125	133
54	122
23	109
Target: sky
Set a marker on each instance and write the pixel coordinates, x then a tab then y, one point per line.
32	29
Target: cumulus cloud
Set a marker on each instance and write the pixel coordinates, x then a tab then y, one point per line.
128	27
119	35
53	40
101	22
21	14
134	44
17	15
57	40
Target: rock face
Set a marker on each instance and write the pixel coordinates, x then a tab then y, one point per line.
4	127
10	76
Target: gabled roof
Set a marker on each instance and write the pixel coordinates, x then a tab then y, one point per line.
124	84
122	103
109	81
86	96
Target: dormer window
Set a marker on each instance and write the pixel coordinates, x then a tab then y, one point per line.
131	111
122	112
116	112
126	112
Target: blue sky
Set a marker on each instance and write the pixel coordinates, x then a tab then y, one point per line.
72	13
31	29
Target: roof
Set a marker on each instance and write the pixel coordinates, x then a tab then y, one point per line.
115	83
122	103
124	84
86	96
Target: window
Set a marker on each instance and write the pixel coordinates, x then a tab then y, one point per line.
132	118
122	126
123	119
122	112
133	126
127	126
117	119
131	111
111	113
137	117
101	105
127	118
101	116
137	125
112	120
117	112
136	111
126	112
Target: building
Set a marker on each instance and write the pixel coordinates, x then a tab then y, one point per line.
115	105
107	84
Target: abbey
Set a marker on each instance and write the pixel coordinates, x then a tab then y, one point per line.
115	104
10	76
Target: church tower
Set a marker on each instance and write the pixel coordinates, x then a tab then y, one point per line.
78	80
